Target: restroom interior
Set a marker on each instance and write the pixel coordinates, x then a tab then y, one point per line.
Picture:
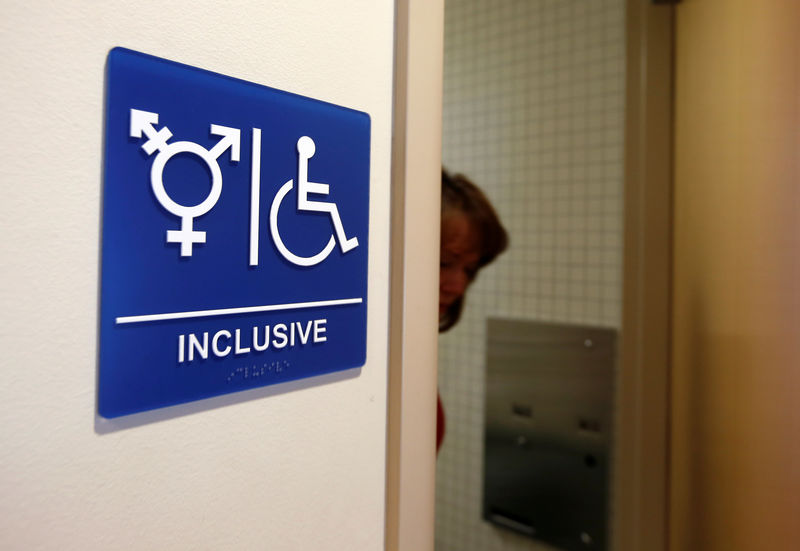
533	112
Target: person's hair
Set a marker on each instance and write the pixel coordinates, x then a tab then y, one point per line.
460	195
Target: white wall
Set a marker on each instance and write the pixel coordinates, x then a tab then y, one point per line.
299	466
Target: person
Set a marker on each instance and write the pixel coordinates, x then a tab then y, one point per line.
471	237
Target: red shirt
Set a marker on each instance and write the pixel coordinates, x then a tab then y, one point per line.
439	422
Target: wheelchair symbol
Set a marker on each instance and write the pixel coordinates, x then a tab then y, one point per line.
306	150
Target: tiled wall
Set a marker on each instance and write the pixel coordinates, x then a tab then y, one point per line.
533	113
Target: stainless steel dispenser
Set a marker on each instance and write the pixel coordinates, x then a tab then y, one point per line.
549	394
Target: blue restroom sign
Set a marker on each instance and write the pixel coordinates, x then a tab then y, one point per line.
234	237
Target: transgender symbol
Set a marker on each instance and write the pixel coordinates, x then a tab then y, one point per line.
142	122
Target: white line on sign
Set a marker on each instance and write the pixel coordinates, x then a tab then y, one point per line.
243	310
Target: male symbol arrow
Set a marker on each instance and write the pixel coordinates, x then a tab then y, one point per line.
230	138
